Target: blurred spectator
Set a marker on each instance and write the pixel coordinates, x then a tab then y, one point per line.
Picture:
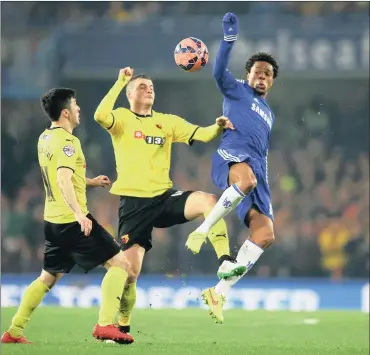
332	241
117	11
48	14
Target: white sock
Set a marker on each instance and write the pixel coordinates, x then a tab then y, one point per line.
223	287
231	198
248	255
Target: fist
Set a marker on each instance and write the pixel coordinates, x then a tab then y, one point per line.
102	181
230	26
230	19
225	123
126	74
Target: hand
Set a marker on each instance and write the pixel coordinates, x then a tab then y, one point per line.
101	181
126	74
225	123
230	26
85	223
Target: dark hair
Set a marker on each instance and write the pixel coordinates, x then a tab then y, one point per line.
56	100
262	57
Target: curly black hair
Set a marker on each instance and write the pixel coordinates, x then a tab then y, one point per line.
262	57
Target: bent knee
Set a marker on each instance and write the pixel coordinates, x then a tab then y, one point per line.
247	184
265	240
269	239
198	204
210	200
242	175
119	260
205	199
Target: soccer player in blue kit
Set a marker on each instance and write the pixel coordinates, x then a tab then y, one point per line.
239	165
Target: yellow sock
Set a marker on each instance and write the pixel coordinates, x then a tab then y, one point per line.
111	290
32	297
127	304
219	238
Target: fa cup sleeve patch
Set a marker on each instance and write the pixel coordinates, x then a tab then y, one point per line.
68	150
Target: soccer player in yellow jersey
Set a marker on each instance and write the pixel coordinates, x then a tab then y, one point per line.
72	235
142	140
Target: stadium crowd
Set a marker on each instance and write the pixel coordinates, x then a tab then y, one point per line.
52	13
319	177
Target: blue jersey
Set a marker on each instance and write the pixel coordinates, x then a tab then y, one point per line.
249	112
253	120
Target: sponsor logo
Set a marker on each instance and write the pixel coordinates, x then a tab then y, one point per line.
273	294
138	134
155	140
262	113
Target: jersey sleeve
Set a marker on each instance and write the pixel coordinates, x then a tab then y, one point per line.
67	154
225	81
119	116
183	131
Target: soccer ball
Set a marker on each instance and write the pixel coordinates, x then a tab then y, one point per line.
191	54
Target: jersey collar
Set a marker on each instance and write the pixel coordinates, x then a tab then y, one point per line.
142	116
53	128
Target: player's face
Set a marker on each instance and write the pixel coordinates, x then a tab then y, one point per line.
74	113
142	92
261	77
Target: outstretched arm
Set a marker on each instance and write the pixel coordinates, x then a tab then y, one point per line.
207	134
103	114
224	79
185	132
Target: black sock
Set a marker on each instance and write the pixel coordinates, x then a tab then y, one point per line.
226	257
124	328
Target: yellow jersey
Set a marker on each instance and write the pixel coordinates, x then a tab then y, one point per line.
57	148
142	149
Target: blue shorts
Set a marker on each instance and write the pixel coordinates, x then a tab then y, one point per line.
260	197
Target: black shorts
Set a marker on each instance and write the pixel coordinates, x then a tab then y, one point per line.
66	246
138	216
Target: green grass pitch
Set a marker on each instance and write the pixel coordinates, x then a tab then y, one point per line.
58	331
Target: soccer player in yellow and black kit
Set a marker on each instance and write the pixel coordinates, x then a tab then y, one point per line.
72	235
142	140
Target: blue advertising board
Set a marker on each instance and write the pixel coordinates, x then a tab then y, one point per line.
184	292
313	45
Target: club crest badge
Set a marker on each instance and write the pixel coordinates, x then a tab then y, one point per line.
124	239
